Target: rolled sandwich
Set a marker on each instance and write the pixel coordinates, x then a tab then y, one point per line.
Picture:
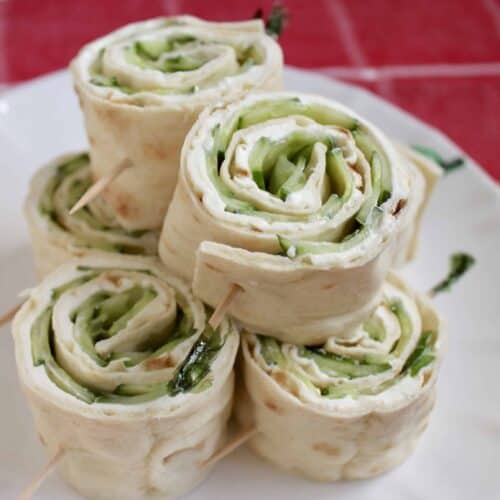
124	375
57	236
300	203
351	408
143	86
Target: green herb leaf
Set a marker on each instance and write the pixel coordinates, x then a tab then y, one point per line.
276	20
460	263
422	355
446	165
197	364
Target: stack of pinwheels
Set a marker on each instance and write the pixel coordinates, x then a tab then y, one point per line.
278	218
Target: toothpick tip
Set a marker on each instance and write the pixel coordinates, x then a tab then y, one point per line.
9	315
100	185
221	309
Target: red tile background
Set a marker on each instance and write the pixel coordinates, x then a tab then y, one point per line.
41	36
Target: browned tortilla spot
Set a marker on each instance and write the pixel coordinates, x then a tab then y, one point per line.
280	377
114	279
377	469
124	207
427	376
155	151
329	286
167	245
327	449
273	407
42	440
155	363
213	268
400	205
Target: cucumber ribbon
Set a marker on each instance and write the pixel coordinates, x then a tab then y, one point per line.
120	333
123	374
143	86
298	200
58	236
176	56
352	407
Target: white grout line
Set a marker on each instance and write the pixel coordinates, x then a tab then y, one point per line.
373	74
172	7
350	41
342	20
494	11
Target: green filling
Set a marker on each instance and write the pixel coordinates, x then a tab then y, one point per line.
42	355
446	165
405	325
85	216
137	56
375	330
197	365
371	150
281	167
336	365
189	375
271	109
371	201
319	247
270	350
45	204
422	355
267	155
156	55
103	315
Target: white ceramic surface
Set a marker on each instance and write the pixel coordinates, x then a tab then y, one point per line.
459	455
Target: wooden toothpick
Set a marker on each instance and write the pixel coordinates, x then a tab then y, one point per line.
6	317
44	473
99	186
223	306
241	438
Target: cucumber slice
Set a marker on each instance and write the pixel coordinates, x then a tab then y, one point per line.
317	247
334	364
270	350
281	172
422	355
368	147
341	180
151	49
405	324
272	109
295	181
256	160
371	201
42	355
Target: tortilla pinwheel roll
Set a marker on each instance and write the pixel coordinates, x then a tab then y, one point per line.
57	236
298	201
124	375
351	408
142	87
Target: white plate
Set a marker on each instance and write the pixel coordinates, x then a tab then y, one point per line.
459	455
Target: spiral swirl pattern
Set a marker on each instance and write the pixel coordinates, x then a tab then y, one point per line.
143	86
149	62
123	374
290	185
58	236
369	395
120	331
